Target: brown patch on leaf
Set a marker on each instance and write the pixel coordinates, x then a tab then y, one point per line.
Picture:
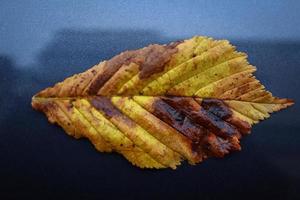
216	146
151	60
110	68
194	132
105	106
205	141
178	120
155	59
221	110
198	115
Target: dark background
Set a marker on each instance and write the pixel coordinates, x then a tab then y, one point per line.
42	42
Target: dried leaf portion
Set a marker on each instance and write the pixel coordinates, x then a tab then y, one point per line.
163	104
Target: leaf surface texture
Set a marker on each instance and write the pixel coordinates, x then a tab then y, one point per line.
162	104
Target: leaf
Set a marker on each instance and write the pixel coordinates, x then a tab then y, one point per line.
163	104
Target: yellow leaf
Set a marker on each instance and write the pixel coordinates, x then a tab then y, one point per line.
163	104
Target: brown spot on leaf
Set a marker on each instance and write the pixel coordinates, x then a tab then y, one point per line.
178	120
216	146
104	105
217	107
155	59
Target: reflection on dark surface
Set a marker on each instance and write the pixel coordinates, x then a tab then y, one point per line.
7	71
38	158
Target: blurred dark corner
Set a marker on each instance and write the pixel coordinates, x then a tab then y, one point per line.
73	51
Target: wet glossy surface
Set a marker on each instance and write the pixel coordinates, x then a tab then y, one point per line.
190	108
41	43
178	120
221	110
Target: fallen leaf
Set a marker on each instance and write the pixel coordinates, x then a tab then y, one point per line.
163	104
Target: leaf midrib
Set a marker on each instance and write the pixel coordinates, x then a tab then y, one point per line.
197	97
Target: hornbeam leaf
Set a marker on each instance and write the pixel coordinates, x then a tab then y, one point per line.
162	104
